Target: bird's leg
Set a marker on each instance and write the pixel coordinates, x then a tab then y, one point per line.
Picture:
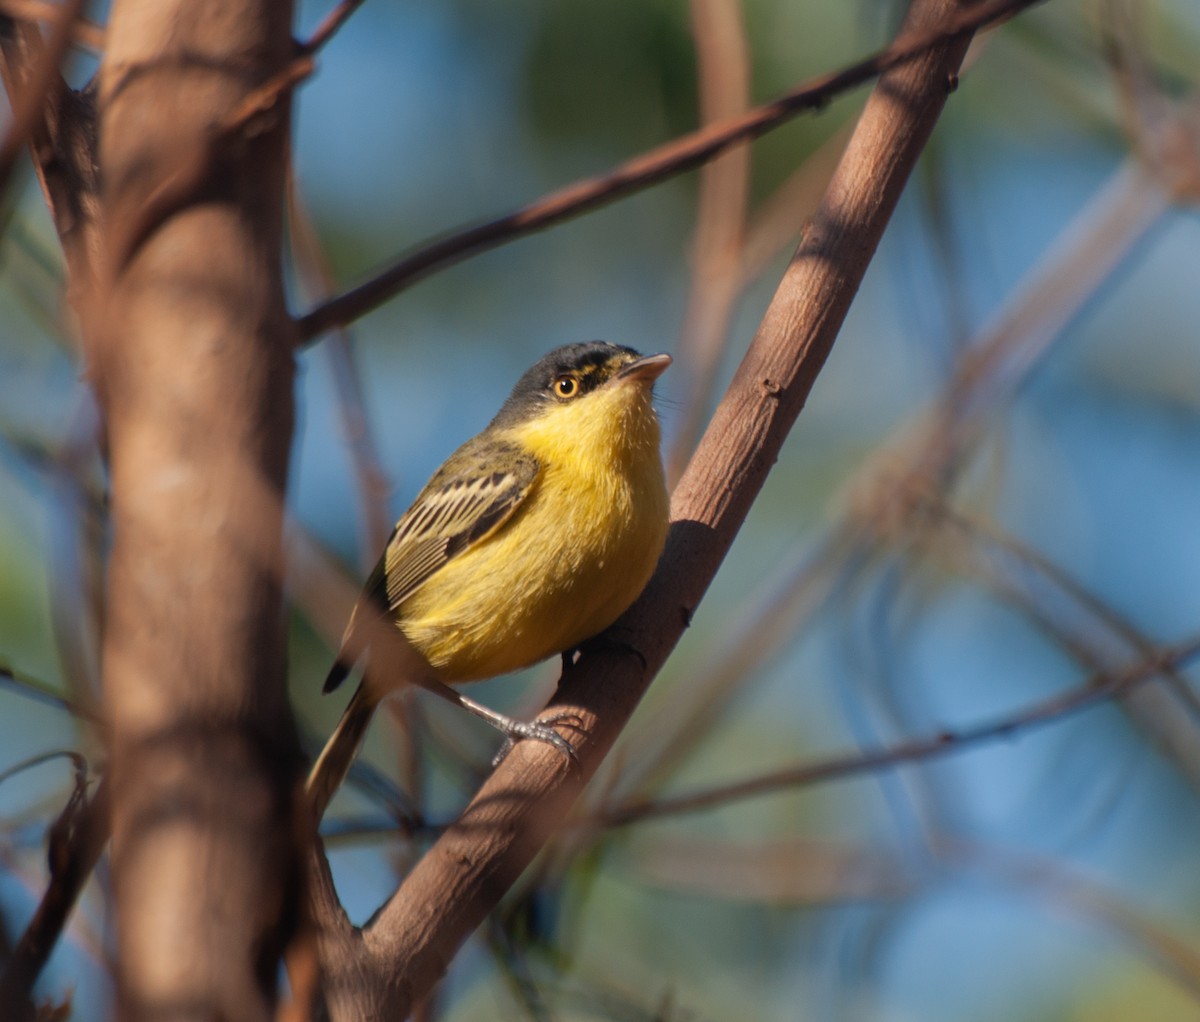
510	727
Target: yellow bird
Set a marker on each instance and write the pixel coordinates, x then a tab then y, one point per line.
534	536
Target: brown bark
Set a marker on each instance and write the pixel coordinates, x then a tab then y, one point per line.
649	168
191	345
395	961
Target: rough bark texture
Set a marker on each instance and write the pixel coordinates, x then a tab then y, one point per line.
191	348
396	959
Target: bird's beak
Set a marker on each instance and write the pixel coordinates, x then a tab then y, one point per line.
646	369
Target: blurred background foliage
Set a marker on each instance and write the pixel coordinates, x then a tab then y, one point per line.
990	499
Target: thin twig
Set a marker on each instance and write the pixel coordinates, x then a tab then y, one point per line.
329	26
64	145
254	115
75	842
1054	884
38	82
84	33
1100	688
44	693
316	278
651	167
723	65
78	761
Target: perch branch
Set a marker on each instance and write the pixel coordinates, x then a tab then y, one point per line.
407	946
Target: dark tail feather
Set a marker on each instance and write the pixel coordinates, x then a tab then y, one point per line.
334	762
341	668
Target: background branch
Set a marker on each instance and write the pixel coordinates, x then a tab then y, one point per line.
41	78
1101	688
76	842
650	168
64	146
723	67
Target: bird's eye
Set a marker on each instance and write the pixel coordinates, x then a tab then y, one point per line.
566	386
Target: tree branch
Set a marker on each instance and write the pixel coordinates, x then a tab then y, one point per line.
1101	687
41	77
650	168
76	841
723	66
64	147
329	26
84	33
408	945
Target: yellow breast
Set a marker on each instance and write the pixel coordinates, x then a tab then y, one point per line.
572	558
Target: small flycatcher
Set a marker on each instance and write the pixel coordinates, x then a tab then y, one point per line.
534	536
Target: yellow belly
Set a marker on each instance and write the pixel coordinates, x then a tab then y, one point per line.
573	557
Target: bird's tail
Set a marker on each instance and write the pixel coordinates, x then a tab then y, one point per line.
334	762
338	673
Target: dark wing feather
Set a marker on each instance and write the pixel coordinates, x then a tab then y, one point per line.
447	518
473	494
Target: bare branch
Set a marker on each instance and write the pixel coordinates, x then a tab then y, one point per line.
724	70
1101	688
201	158
329	26
453	887
76	841
83	32
650	168
884	501
43	693
64	147
41	78
316	278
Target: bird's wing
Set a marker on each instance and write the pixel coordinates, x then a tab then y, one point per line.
466	501
472	495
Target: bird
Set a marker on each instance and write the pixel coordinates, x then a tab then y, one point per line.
532	537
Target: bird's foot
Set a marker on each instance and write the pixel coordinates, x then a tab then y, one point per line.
539	731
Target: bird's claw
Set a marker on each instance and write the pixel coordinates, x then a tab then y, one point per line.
539	731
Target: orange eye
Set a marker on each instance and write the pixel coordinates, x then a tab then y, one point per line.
566	386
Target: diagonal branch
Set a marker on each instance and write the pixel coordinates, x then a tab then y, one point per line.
63	140
650	168
412	938
1100	688
84	33
76	840
329	27
41	78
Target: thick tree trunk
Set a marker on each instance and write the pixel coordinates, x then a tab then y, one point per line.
191	350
